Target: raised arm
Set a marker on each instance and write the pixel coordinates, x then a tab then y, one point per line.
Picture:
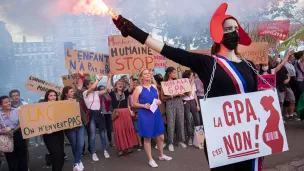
131	88
110	80
191	60
286	57
94	85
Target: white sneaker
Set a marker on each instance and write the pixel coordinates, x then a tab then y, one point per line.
182	145
165	158
171	147
190	142
153	164
77	168
81	165
36	145
156	147
106	154
94	157
42	143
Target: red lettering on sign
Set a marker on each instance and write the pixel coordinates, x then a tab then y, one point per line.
120	64
239	109
240	142
249	110
229	118
219	122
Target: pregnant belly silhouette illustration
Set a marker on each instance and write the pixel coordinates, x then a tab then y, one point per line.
272	136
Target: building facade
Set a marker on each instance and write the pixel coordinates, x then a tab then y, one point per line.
6	60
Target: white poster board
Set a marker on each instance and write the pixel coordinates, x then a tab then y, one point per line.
242	127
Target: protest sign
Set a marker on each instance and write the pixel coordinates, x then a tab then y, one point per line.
178	86
87	62
70	80
40	86
270	78
128	55
41	118
160	61
251	28
277	29
256	52
242	127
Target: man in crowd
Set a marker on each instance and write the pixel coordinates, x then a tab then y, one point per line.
15	97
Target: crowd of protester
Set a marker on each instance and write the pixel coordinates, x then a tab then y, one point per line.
121	109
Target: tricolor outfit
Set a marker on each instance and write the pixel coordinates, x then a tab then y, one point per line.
230	77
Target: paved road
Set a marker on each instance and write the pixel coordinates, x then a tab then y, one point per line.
189	159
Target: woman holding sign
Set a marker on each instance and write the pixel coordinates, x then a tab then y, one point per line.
228	73
150	121
9	125
175	113
75	135
54	141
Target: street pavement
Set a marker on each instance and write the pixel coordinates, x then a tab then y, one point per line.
188	159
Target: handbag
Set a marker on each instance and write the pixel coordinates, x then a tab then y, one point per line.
6	141
115	114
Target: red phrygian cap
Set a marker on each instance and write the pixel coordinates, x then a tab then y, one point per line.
216	26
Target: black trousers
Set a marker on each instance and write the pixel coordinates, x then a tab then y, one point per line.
108	121
17	160
200	112
55	144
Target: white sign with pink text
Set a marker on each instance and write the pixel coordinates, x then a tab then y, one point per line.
242	127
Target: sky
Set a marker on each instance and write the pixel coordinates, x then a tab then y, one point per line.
34	18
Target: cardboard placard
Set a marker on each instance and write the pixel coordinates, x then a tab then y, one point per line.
41	118
178	86
87	62
277	29
128	55
160	62
40	86
243	127
256	52
70	80
270	78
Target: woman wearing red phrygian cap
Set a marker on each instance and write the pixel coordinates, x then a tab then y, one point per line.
225	69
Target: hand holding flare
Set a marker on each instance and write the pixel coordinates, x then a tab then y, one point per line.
107	10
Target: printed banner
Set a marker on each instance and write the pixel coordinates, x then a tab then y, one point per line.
174	87
41	118
256	52
128	55
87	62
40	86
270	78
70	80
277	29
242	127
293	41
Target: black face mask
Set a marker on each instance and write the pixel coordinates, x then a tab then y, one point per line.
231	40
